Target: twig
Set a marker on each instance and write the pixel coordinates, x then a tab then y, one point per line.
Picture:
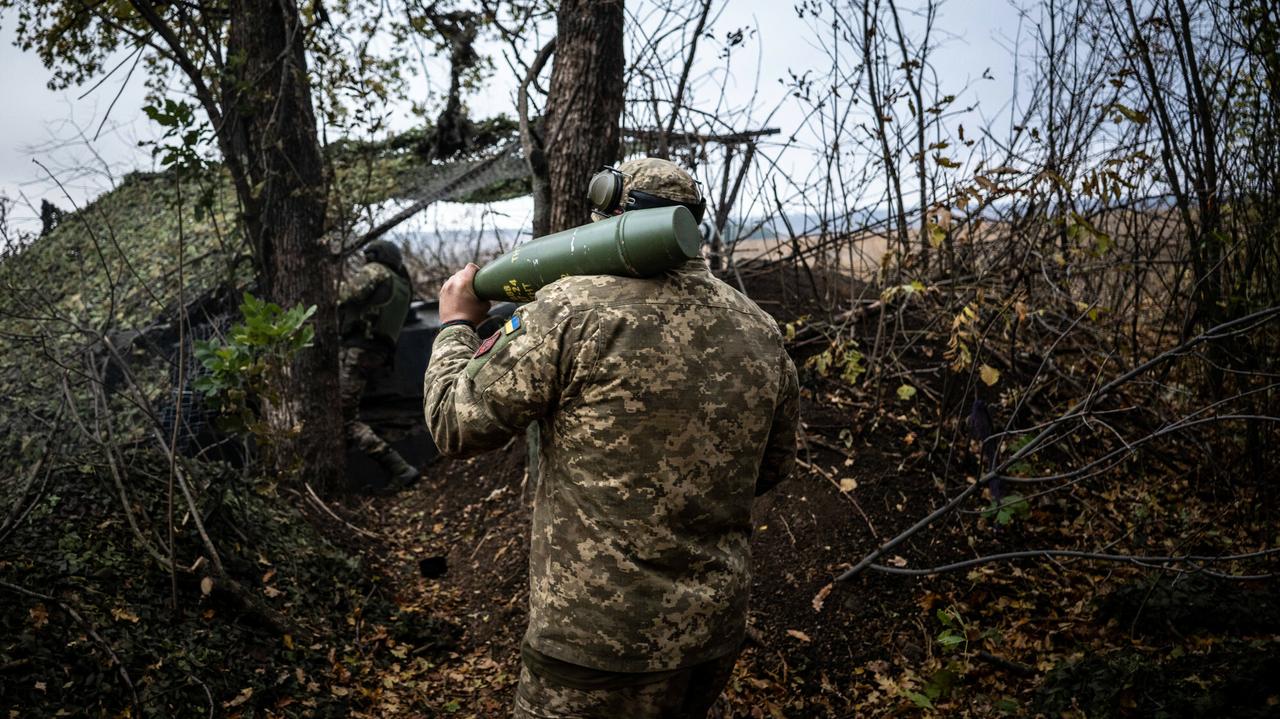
311	494
1137	560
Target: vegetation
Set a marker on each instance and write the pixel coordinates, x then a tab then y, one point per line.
1038	357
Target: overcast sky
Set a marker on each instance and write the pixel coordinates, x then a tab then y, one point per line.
56	128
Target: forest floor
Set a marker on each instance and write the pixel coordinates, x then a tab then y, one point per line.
1064	638
1001	641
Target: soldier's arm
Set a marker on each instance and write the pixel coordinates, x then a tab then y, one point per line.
780	452
360	286
477	395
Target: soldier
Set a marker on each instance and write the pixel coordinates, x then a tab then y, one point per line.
665	405
372	310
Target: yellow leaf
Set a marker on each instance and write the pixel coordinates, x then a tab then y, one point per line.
122	614
990	375
848	485
936	236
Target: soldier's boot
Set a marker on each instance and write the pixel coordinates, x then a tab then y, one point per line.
403	474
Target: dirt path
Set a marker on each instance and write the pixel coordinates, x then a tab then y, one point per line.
991	642
459	550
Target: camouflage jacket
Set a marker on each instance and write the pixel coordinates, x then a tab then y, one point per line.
664	406
372	307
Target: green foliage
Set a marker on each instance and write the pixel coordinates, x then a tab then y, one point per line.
937	688
183	132
1008	509
953	635
842	357
244	370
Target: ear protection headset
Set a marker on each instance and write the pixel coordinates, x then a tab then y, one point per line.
605	195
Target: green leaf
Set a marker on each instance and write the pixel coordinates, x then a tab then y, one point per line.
1010	508
906	392
919	699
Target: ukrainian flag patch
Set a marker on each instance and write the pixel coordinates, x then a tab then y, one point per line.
495	345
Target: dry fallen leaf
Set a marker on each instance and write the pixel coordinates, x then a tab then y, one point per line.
848	485
206	586
241	698
898	561
122	614
990	375
821	597
799	635
39	616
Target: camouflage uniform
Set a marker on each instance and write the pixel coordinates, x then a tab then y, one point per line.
665	405
657	177
370	294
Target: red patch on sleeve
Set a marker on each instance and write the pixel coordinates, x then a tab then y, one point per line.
487	344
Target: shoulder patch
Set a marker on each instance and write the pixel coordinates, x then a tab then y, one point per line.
494	345
487	345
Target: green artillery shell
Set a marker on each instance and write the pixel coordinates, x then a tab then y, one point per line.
640	243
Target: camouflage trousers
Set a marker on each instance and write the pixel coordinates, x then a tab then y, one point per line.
688	693
357	365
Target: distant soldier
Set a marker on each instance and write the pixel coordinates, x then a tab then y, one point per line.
665	405
372	311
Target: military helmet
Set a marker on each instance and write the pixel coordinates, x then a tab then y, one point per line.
641	184
384	253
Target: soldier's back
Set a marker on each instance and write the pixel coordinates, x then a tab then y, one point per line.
640	558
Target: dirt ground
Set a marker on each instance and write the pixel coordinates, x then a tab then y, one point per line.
1022	639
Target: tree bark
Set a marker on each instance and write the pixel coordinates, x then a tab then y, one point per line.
271	125
584	104
532	144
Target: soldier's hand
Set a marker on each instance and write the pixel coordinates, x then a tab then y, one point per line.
458	300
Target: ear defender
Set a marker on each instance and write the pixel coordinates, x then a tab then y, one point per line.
605	195
605	191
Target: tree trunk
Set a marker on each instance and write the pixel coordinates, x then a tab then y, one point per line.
584	104
272	127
